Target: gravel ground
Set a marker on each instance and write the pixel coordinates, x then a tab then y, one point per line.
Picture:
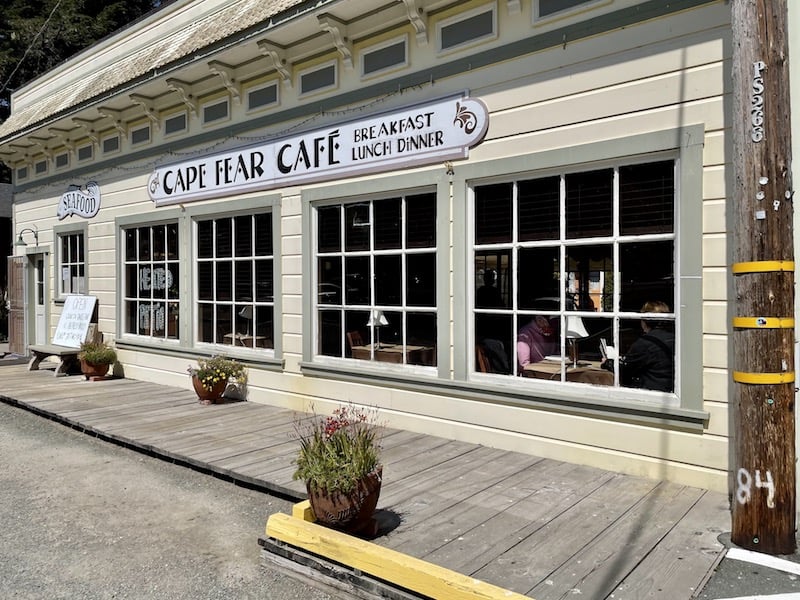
82	518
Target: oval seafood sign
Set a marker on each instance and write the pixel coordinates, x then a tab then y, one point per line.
421	134
84	203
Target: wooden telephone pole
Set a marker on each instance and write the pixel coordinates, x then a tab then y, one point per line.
763	272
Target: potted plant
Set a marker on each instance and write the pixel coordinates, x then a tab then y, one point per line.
96	358
339	460
211	376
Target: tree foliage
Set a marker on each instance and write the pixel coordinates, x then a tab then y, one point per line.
36	35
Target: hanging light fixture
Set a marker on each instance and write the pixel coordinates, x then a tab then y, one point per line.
21	242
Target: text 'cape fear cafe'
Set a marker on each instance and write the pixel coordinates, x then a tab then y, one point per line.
422	134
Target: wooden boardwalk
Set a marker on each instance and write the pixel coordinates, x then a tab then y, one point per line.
539	527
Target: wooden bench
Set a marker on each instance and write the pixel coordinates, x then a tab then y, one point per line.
68	358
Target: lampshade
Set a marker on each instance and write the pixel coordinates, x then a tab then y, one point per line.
576	328
246	312
377	318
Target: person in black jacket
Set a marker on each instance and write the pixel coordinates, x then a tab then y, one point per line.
650	361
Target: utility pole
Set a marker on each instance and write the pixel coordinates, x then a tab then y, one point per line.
763	504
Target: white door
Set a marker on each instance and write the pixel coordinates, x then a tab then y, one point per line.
39	299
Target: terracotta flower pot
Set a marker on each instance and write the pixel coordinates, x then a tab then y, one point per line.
209	396
94	370
351	512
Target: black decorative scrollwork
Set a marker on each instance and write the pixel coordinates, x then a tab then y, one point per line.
465	118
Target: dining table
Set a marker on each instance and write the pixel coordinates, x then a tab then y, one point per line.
582	371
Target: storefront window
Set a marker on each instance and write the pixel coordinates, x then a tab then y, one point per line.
72	264
235	303
152	297
564	265
376	280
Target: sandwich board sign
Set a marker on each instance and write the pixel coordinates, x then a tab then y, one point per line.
73	325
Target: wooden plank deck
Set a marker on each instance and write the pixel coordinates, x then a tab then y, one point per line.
539	527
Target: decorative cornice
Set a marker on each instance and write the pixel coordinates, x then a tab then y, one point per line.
277	56
149	109
87	128
338	30
184	90
116	119
227	75
416	17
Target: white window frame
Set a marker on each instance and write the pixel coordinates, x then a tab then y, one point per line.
252	340
82	148
377	47
63	158
384	187
172	304
537	18
137	129
214	103
687	400
318	67
109	137
256	88
491	7
73	265
173	116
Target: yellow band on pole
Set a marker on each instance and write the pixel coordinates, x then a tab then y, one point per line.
763	378
762	266
763	323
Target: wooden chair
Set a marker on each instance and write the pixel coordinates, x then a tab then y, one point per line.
481	360
354	339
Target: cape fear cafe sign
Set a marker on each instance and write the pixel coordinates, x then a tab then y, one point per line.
418	135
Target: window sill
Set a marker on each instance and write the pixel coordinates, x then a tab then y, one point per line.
167	348
640	412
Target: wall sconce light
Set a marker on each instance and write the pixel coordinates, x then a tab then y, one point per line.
34	231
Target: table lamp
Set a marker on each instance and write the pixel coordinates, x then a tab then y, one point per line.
247	314
377	319
575	330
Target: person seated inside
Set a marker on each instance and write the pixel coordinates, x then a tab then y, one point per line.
650	361
488	295
536	340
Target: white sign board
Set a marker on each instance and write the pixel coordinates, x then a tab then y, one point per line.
84	203
74	322
416	135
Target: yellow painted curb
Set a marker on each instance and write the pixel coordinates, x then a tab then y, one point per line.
303	511
389	565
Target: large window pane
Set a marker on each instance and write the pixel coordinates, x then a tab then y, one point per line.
551	304
646	274
388	280
493	210
647	198
387	224
538	280
589	204
152	282
421	221
539	209
235	276
382	268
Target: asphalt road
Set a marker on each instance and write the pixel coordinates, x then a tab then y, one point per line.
81	518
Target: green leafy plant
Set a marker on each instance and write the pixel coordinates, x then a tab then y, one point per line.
97	353
218	368
337	451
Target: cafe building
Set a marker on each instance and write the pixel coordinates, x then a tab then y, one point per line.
452	211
